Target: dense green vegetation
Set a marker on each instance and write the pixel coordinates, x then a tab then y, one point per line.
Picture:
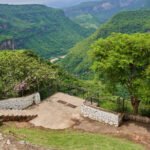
123	59
77	60
87	21
70	140
22	72
44	30
92	14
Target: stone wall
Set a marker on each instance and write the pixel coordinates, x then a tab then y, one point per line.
101	115
21	102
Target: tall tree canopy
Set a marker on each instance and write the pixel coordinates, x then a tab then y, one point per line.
125	59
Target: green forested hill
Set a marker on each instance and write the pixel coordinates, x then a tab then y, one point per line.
93	13
78	62
45	30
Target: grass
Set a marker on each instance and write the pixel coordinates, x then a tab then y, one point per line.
70	140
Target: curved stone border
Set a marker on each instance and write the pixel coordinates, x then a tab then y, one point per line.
101	115
21	102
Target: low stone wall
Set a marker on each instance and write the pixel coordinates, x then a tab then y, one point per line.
21	102
101	115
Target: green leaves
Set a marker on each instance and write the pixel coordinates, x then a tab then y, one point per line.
124	59
19	68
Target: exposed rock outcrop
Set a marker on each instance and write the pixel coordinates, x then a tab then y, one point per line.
7	44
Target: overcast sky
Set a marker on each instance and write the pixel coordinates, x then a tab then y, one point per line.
55	3
23	1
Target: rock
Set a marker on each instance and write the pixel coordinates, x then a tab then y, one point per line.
1	137
8	142
137	138
22	142
76	117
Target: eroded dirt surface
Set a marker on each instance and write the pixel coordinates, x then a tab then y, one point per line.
10	143
137	132
59	111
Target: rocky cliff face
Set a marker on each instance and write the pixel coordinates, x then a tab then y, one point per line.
7	44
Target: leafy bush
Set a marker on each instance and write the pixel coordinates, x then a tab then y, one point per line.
22	72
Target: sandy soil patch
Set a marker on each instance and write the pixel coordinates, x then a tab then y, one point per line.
59	111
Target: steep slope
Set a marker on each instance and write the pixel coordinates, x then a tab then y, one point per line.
91	14
78	62
45	30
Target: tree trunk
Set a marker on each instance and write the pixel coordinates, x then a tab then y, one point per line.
135	104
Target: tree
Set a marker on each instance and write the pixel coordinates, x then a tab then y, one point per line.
23	72
124	59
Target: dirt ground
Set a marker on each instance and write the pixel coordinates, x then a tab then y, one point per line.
137	132
10	143
59	111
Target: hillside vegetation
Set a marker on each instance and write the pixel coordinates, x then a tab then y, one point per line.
91	14
77	60
22	72
122	60
44	30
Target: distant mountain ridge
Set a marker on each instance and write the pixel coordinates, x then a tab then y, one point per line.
77	60
42	29
64	3
102	10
